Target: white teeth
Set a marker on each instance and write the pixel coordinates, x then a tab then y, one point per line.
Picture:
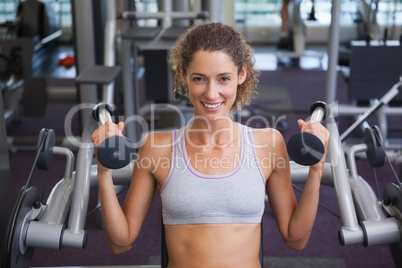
212	106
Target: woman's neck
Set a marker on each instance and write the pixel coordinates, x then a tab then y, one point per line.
217	133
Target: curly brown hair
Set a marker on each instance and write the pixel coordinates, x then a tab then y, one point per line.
214	36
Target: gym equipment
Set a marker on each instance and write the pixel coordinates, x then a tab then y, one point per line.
34	29
29	37
388	96
373	68
305	148
333	51
365	90
364	219
297	36
117	156
375	155
369	31
114	152
368	27
382	109
6	197
25	210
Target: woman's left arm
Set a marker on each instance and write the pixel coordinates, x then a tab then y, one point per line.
295	220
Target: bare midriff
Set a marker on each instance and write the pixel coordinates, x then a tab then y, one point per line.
213	245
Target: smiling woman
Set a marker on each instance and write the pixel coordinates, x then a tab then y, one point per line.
226	41
212	81
215	172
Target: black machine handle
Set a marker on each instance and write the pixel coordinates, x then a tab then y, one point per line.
116	151
305	148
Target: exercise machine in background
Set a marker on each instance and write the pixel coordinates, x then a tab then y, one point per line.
297	36
372	70
370	65
26	41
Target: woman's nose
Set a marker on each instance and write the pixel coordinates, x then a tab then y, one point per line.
212	91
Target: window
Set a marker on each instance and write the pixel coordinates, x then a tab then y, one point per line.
266	13
257	13
390	12
8	10
149	6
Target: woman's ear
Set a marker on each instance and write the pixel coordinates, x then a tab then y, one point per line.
242	75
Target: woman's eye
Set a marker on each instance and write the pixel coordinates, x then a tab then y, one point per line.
196	79
225	79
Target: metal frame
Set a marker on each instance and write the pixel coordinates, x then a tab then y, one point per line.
5	181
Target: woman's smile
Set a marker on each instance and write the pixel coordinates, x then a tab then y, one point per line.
212	106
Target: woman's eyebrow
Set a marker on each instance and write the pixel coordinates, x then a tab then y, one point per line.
221	74
197	74
227	73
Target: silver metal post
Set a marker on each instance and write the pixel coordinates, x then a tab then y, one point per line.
80	199
130	100
333	48
167	9
341	183
109	52
182	6
82	12
351	154
6	196
215	9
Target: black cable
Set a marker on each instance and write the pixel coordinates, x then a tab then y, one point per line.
376	183
41	144
99	205
386	156
40	147
319	203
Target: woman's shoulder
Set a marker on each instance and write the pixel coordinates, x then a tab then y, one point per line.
266	138
262	134
157	140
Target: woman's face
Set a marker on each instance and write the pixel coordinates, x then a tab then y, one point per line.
212	79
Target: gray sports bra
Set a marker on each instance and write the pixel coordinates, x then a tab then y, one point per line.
189	197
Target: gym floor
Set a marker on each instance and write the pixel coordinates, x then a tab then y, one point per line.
283	85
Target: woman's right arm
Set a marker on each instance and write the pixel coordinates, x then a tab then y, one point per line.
122	225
